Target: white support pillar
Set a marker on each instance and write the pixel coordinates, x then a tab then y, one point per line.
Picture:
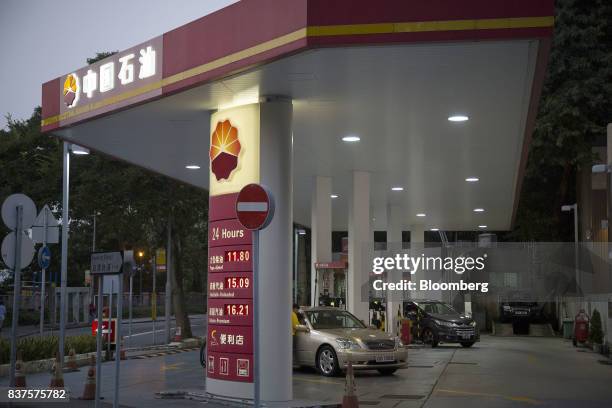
320	247
394	245
359	237
275	253
417	244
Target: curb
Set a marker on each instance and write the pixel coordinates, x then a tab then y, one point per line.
40	366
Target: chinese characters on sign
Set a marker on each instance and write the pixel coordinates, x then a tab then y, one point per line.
118	80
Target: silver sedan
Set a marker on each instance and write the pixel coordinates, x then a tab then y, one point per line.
329	337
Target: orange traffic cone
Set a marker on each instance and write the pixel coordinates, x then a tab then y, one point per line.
178	334
20	380
57	380
72	364
122	355
349	400
89	392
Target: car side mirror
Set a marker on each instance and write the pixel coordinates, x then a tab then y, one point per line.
372	327
302	328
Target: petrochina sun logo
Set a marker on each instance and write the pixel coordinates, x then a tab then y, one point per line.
224	150
71	90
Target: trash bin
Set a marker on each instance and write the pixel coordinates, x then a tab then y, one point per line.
568	328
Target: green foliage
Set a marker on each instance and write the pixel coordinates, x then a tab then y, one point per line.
573	113
39	348
100	56
596	332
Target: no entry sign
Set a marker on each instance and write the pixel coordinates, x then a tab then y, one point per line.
254	207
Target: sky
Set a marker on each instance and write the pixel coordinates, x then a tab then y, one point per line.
43	39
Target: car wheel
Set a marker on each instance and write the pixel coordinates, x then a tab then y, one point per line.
387	371
327	361
429	337
467	344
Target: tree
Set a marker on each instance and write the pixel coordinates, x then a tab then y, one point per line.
574	111
596	333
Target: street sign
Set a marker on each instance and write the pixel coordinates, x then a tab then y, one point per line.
160	260
45	222
254	207
9	211
103	263
44	257
8	250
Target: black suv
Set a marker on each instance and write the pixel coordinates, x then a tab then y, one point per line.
435	322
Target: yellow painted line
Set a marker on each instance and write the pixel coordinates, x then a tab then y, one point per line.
526	400
312	31
168	367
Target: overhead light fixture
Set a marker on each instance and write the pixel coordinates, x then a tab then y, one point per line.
472	179
79	150
434	229
334	196
458	118
482	226
478	209
351	138
192	167
397	188
421	215
301	232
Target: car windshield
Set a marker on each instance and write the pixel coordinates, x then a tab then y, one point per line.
438	308
333	319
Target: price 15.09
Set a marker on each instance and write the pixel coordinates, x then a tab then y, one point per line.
237	282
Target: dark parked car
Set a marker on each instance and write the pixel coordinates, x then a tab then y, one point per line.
518	307
436	322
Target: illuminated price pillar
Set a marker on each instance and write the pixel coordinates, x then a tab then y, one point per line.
249	144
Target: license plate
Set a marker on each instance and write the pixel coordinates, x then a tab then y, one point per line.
385	358
466	335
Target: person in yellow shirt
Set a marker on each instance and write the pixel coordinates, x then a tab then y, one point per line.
295	322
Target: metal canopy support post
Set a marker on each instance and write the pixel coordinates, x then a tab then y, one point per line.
168	298
16	293
118	340
43	279
99	343
154	300
130	309
256	356
64	263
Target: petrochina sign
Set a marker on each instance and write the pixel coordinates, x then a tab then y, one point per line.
234	163
113	77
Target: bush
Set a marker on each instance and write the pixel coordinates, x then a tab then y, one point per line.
39	348
596	333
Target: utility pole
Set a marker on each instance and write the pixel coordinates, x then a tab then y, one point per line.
168	299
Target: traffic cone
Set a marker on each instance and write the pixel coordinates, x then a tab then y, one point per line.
349	400
20	380
72	364
122	355
57	380
89	392
178	334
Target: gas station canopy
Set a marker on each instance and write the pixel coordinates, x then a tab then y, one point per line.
391	73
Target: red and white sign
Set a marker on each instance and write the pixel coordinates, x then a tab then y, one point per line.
254	207
105	331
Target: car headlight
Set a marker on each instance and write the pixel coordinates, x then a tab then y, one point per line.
444	323
398	343
346	344
473	324
507	308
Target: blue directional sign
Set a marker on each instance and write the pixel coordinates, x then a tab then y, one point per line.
44	257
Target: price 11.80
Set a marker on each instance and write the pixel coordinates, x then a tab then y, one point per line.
242	255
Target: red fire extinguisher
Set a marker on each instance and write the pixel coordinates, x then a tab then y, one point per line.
581	328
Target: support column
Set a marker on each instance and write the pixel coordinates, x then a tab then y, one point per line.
394	246
320	216
417	245
359	238
275	253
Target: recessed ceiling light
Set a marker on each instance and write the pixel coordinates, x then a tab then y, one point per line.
420	215
334	196
192	167
302	232
434	229
472	179
397	188
478	209
351	138
482	226
458	118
